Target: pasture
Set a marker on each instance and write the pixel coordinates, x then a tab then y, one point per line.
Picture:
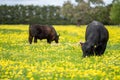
41	61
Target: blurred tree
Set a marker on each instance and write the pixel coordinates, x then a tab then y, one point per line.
84	10
68	11
101	14
91	2
115	12
4	14
19	14
81	13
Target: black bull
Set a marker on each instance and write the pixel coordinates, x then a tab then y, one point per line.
96	38
37	31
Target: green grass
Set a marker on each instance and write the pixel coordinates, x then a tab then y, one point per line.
21	61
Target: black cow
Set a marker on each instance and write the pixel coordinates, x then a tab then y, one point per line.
96	37
37	31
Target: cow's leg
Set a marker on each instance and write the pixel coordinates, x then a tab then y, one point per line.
35	39
103	47
30	39
100	49
97	50
49	41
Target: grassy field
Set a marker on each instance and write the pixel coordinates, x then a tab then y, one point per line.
21	61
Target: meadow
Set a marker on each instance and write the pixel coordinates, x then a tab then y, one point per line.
41	61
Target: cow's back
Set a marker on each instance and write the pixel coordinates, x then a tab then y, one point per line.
53	31
44	30
96	31
34	29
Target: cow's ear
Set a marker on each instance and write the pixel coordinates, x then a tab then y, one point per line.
81	43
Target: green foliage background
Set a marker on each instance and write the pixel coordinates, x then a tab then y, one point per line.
115	12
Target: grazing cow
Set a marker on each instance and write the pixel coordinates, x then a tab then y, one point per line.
96	38
37	31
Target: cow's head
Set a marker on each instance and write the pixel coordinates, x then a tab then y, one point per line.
57	38
86	49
